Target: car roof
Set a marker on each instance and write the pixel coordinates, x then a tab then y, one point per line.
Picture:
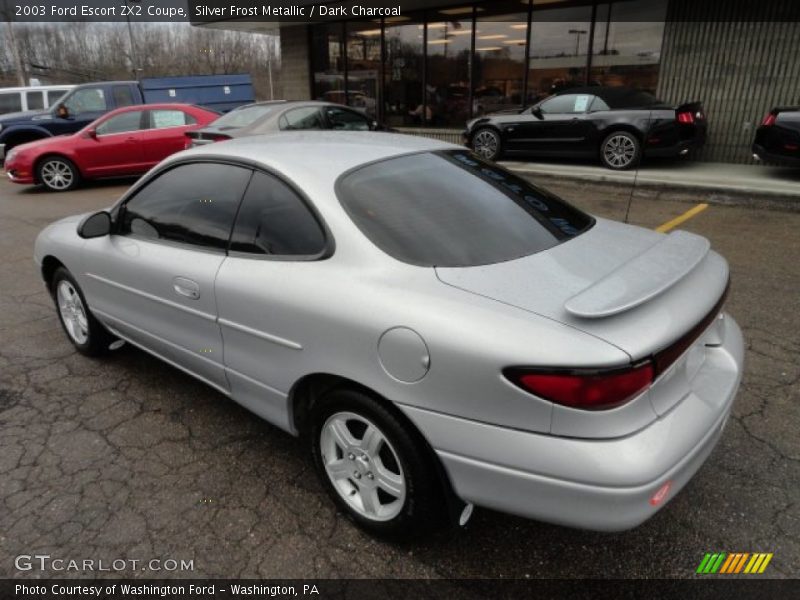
612	95
317	157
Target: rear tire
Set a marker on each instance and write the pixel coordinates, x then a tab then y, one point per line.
620	150
373	467
58	174
487	144
85	332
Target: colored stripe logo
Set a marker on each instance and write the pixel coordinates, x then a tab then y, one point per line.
734	563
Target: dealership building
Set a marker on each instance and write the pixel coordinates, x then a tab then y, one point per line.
443	62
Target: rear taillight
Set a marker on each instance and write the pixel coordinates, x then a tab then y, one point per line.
216	137
769	120
685	117
585	389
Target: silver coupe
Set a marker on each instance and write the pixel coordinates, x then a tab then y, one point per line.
442	332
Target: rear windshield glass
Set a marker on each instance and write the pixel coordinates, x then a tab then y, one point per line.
243	116
452	209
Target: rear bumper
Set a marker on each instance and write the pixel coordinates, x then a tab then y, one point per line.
682	147
772	157
604	485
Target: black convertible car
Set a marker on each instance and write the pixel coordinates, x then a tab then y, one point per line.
617	124
778	138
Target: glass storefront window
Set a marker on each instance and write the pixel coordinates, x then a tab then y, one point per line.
627	43
405	55
449	65
559	47
500	33
328	61
363	66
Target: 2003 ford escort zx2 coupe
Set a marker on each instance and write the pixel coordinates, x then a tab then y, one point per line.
442	332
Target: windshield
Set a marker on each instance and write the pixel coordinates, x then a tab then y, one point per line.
243	116
452	209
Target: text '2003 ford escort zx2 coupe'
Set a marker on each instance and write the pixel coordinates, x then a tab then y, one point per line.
441	331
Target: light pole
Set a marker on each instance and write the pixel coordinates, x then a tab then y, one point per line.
578	33
133	47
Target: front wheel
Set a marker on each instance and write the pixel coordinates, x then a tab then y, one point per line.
620	150
58	174
487	144
373	466
85	332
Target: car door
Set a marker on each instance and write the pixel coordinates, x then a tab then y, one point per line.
264	291
164	133
153	279
84	105
558	127
116	147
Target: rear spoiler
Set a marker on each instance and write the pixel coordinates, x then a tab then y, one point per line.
641	278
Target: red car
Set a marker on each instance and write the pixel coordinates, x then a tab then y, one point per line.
126	141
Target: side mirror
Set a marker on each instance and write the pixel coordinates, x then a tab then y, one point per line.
90	133
537	112
95	225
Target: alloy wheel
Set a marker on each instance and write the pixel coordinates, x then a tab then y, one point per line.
485	144
57	174
363	466
72	312
619	151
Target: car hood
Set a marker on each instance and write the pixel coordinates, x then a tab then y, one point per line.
38	144
634	288
27	115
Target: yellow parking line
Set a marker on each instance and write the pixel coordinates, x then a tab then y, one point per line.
684	217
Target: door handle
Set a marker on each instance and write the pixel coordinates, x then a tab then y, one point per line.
131	140
186	288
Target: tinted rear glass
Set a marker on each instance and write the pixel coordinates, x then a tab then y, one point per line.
452	209
243	116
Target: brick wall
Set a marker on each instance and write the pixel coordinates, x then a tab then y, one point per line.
294	63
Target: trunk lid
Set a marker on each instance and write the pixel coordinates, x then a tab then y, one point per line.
634	288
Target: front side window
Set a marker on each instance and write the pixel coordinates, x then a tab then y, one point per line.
127	121
566	103
452	209
86	100
54	95
273	220
191	204
170	118
307	117
346	120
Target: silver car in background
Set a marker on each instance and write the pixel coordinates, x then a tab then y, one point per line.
442	332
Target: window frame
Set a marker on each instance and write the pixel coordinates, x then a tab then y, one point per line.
118	209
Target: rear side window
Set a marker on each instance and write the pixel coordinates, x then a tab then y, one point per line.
243	116
346	120
35	100
452	209
274	220
191	204
170	118
10	102
122	96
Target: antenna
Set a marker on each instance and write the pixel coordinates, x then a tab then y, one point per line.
636	173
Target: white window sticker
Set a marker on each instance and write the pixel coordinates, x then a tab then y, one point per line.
168	118
581	102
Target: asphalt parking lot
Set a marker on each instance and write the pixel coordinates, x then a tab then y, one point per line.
130	458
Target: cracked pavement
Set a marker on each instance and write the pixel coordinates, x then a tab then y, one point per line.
129	458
